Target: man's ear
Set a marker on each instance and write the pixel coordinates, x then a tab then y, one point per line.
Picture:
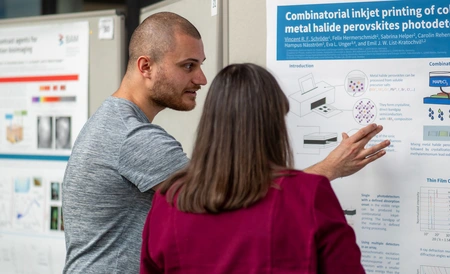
144	65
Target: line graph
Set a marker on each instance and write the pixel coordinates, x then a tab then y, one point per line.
23	214
435	209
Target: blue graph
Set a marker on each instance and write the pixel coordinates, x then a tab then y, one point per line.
27	209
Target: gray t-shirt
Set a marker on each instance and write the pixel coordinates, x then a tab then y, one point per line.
106	194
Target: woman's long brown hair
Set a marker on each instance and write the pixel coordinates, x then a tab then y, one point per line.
241	139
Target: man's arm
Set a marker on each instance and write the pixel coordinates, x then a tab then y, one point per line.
351	155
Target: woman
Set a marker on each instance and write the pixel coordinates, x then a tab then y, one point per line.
238	206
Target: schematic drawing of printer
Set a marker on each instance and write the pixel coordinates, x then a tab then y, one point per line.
313	97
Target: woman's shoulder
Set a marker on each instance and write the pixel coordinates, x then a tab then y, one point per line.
159	201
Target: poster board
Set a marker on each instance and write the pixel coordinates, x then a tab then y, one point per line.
56	71
346	64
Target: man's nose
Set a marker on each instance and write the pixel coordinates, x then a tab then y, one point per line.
200	78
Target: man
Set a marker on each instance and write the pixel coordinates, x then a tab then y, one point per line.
120	157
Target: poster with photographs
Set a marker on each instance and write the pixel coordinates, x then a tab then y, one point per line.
43	106
43	90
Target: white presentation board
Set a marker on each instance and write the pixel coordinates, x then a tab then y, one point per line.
345	64
54	72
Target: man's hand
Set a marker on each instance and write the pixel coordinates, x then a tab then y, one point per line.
351	155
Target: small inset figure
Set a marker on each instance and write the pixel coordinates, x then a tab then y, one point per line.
54	217
54	191
63	133
44	132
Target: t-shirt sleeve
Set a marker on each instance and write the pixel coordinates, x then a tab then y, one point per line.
149	156
337	251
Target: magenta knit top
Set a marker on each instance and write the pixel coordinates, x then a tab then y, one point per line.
298	228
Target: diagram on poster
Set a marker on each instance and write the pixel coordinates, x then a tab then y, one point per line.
441	81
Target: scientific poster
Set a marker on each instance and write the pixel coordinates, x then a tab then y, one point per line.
346	64
43	88
43	106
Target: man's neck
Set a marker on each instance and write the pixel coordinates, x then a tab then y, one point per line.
150	108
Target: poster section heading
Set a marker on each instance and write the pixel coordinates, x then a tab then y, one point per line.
25	45
364	30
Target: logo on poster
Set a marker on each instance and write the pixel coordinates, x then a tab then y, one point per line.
67	39
61	39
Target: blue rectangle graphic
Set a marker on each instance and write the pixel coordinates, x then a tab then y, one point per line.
364	30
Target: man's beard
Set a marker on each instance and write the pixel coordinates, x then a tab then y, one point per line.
167	96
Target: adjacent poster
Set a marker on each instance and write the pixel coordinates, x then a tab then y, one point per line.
346	64
43	105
